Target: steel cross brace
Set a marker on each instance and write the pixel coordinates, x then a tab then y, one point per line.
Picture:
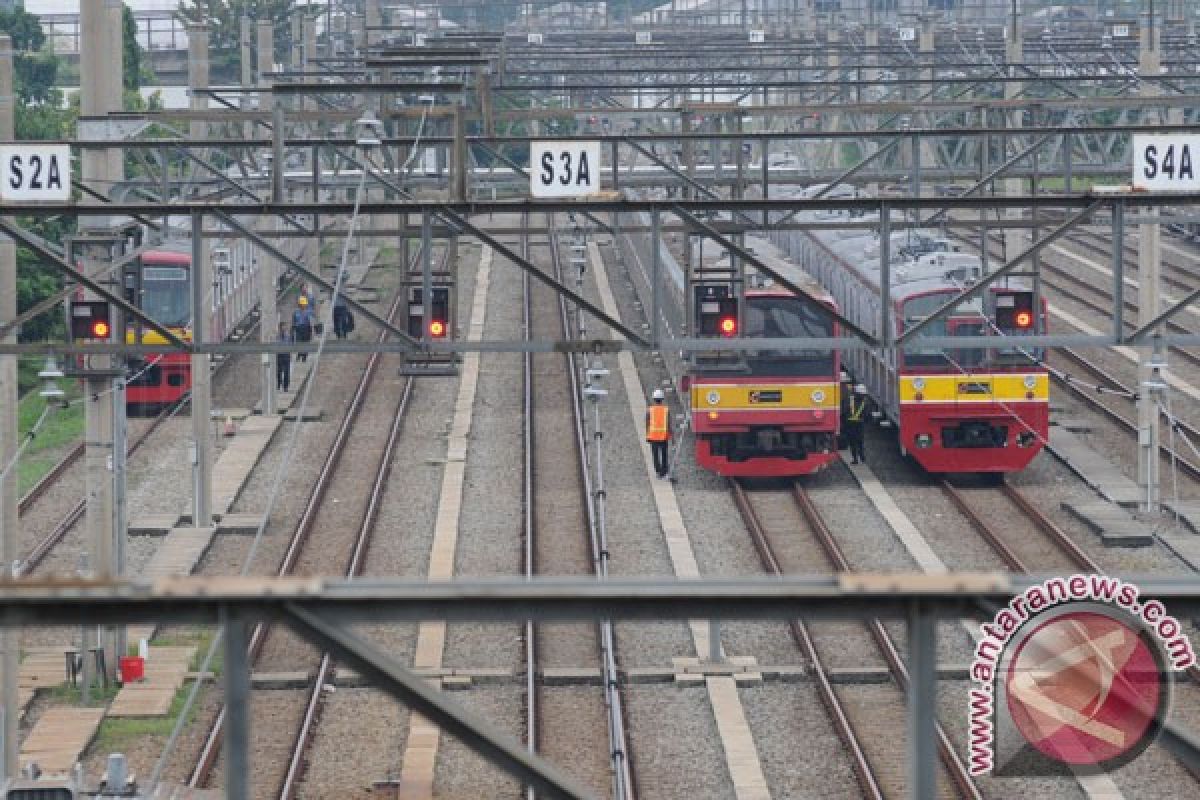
980	287
475	732
61	264
746	255
850	173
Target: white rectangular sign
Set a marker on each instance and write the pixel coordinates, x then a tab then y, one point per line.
758	37
908	34
1166	162
533	38
564	169
1120	30
35	173
644	37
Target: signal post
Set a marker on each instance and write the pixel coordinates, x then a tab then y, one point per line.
200	453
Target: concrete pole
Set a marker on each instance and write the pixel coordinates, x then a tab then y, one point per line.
373	19
1149	300
267	269
10	637
201	445
100	94
246	64
1014	238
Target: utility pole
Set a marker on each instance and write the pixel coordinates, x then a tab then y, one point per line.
9	499
201	446
100	95
268	323
1150	382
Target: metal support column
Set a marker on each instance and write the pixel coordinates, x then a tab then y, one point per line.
9	498
656	279
1149	299
922	703
201	447
268	324
426	275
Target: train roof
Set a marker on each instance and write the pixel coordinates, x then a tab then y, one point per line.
770	255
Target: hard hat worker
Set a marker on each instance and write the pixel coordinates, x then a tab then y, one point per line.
658	431
302	324
854	422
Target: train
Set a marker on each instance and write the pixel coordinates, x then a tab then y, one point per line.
158	282
956	410
760	414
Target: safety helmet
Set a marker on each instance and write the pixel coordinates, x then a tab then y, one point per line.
658	395
303	300
860	389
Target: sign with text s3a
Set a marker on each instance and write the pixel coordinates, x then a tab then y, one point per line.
564	169
1166	162
35	173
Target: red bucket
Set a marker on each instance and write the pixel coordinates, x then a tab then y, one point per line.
132	668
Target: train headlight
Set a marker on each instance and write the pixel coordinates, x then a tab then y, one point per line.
713	398
818	396
919	384
924	441
1030	381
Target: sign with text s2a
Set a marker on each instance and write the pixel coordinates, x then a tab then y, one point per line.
1167	162
564	169
35	173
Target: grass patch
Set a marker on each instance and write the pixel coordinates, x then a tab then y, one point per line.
65	694
115	734
201	639
61	430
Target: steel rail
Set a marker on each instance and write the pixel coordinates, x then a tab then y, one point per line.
954	765
47	480
833	705
624	783
202	772
362	542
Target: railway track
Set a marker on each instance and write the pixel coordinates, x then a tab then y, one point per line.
202	773
879	771
558	380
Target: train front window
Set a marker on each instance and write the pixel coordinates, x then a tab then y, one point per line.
788	318
165	295
965	320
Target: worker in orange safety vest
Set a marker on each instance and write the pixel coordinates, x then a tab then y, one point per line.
658	432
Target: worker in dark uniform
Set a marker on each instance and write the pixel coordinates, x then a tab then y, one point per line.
283	361
658	432
302	324
342	320
854	423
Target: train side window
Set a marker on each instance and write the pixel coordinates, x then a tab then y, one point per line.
175	379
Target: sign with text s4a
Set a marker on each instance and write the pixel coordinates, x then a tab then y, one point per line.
35	173
1166	162
564	169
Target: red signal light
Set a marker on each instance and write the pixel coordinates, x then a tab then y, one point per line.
1024	319
437	329
728	326
100	329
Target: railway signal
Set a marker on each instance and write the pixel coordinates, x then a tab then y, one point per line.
90	320
716	311
1014	311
